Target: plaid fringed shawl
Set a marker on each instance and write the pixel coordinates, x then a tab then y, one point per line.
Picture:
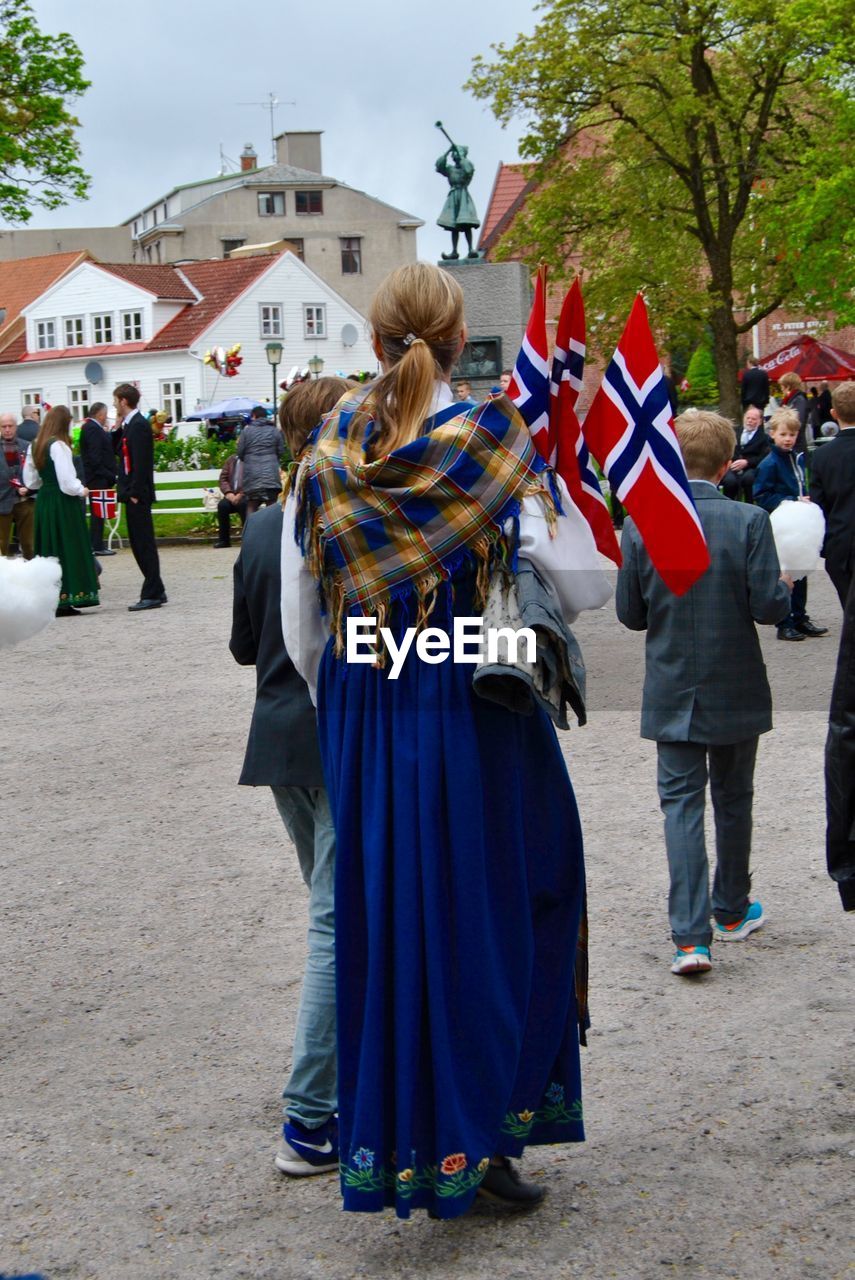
374	532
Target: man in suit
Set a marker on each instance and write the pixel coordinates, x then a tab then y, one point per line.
832	487
751	448
283	753
17	503
28	427
704	713
755	385
136	490
99	468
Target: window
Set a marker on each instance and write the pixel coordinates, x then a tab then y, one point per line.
271	320
46	335
73	328
314	320
78	402
351	256
229	245
309	201
270	203
102	329
31	397
172	399
131	326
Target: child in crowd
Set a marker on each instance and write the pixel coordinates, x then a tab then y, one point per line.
706	697
781	478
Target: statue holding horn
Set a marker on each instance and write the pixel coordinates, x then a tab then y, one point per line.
458	213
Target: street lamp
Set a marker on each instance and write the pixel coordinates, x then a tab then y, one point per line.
274	356
316	366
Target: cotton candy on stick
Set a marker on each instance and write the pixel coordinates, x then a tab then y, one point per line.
29	594
798	528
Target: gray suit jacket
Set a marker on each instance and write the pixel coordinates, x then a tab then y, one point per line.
283	749
705	680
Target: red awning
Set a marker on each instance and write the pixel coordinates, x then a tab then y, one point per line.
813	361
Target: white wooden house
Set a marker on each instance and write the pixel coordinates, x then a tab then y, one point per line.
102	324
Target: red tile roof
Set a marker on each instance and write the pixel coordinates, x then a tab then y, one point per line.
220	282
161	280
23	279
510	182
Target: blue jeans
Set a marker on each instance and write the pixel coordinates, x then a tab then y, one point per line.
311	1092
683	770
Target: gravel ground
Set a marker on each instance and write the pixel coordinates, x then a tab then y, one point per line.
151	953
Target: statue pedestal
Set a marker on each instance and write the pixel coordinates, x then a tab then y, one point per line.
498	301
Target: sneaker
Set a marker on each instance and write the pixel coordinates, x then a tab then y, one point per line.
306	1151
753	919
688	960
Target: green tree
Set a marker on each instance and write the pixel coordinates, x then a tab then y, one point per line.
701	377
39	76
702	151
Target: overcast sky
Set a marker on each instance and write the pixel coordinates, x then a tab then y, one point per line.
168	78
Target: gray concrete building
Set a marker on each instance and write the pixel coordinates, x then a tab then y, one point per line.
350	239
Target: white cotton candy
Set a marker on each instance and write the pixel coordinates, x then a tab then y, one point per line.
29	593
799	528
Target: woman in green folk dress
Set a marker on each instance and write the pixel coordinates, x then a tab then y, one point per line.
60	520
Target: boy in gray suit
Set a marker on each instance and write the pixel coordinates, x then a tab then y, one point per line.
706	698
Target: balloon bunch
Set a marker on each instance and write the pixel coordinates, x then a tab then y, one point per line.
226	363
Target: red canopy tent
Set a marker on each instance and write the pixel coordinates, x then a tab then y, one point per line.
813	361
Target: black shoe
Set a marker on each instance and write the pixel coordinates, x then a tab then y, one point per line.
808	628
163	599
144	604
502	1185
789	633
67	611
221	544
105	551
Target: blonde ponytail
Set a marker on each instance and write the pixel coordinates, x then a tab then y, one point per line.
417	319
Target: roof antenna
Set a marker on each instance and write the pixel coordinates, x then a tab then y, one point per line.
227	165
271	104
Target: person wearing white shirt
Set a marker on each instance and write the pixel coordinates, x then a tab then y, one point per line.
60	519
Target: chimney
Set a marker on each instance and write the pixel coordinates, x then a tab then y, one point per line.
302	150
248	158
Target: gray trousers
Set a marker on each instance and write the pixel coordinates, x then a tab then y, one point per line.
683	769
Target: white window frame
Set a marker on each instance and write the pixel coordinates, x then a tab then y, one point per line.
102	316
78	402
172	398
314	319
272	197
272	324
45	331
31	396
127	316
346	245
77	324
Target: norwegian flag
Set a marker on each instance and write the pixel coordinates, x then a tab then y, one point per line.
629	431
529	385
102	503
568	451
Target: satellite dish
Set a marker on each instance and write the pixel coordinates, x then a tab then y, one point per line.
94	372
349	335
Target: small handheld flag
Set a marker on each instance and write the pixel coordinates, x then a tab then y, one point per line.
629	431
529	386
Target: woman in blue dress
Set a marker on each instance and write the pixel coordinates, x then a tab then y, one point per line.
459	878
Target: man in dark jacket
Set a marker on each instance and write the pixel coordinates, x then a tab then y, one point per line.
28	427
840	764
755	385
832	487
16	502
136	490
751	448
233	501
99	468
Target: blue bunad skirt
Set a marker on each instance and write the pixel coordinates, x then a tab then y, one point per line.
459	887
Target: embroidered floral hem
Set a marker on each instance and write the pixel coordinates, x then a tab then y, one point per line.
447	1187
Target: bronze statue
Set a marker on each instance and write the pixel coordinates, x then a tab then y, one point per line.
458	213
